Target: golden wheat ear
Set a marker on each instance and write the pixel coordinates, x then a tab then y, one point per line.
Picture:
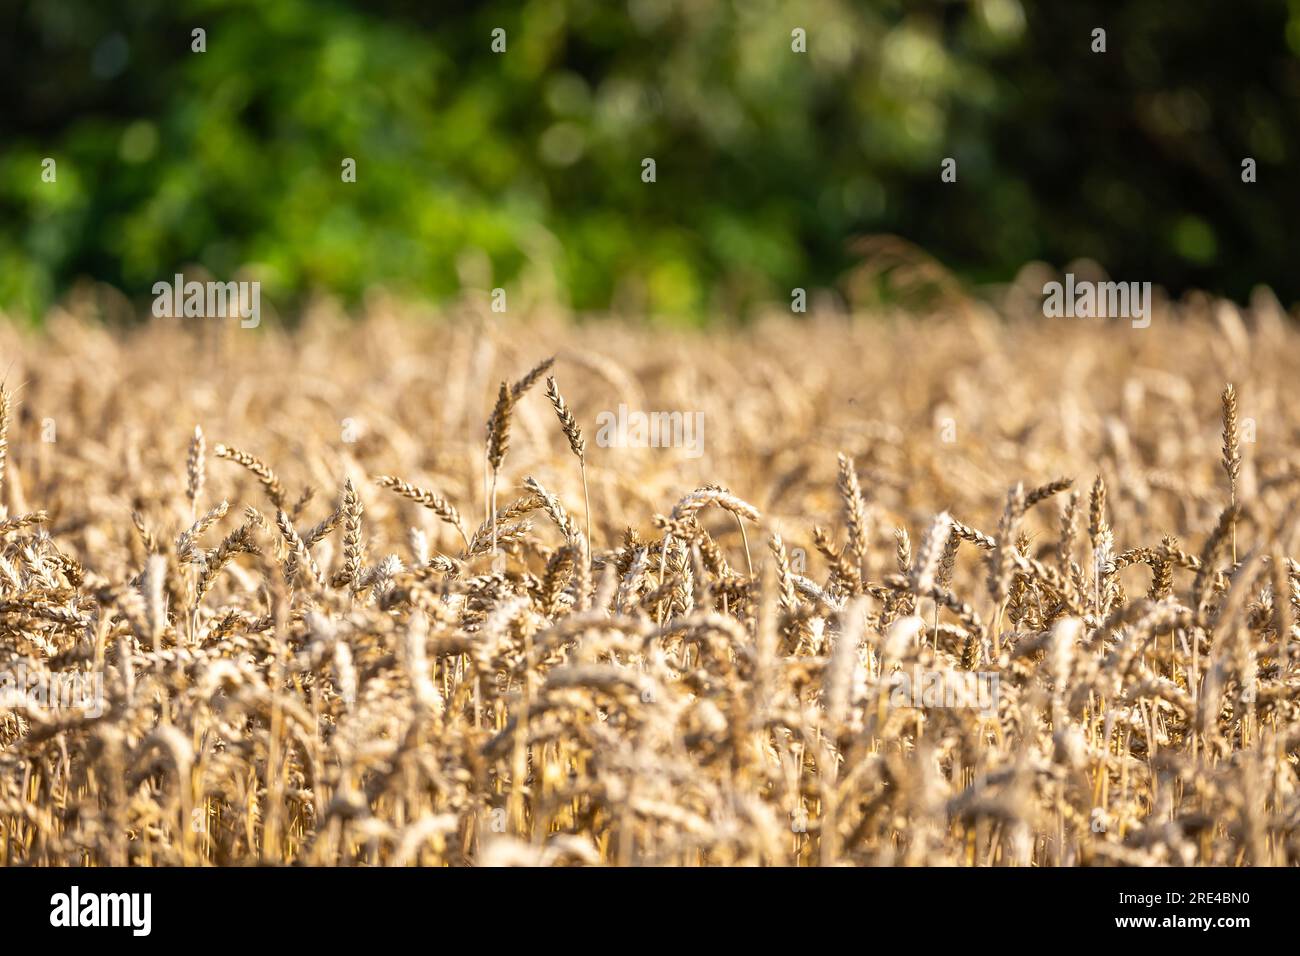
498	443
1231	454
577	445
267	478
439	505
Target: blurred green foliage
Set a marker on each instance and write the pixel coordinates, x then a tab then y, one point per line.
484	168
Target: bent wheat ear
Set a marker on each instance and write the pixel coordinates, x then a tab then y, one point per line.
185	543
439	505
19	522
1043	492
554	510
258	468
520	387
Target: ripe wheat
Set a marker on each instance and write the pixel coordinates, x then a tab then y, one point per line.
364	682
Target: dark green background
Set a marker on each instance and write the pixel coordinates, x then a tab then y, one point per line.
769	162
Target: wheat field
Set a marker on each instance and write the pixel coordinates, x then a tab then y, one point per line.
272	551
